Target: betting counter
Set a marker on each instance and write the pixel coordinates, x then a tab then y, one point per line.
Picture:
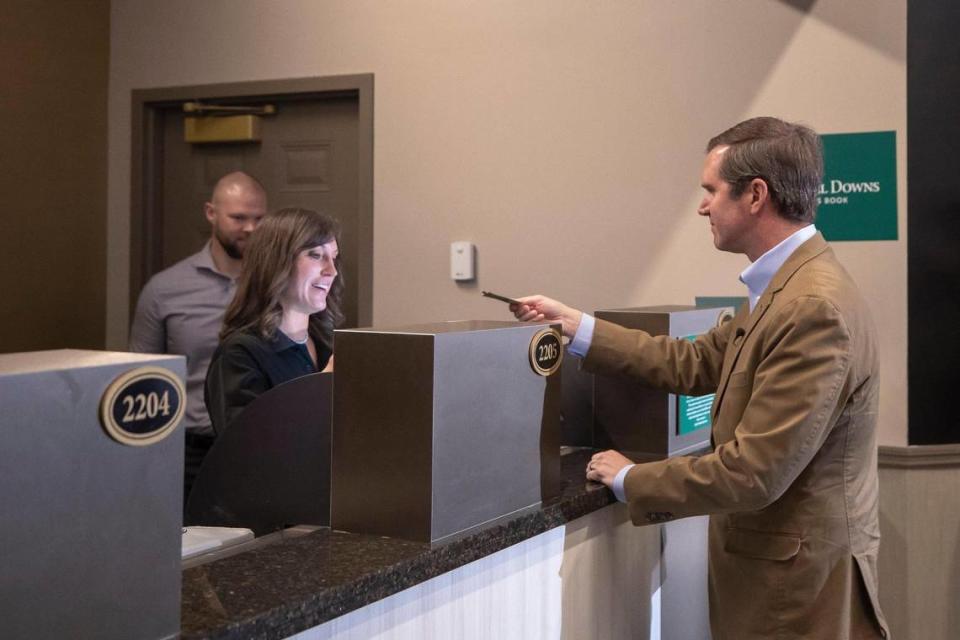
429	469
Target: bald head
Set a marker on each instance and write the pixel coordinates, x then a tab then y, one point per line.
236	183
236	206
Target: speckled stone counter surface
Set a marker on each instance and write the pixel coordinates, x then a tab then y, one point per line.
298	583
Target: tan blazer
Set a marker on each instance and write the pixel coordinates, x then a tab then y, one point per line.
791	484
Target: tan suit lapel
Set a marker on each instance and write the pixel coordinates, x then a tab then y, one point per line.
745	326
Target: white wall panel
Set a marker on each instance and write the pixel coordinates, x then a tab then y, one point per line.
598	577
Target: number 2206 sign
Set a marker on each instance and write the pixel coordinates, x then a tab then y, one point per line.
546	352
142	406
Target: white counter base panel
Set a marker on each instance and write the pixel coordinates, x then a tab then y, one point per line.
597	577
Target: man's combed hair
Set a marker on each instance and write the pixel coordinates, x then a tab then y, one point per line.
268	266
787	156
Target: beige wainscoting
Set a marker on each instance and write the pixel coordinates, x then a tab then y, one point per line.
597	577
920	552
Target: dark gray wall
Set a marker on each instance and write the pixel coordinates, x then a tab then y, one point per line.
53	176
933	245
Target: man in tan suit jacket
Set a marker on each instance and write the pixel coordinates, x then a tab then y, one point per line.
791	484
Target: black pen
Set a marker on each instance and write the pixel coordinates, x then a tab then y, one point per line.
497	296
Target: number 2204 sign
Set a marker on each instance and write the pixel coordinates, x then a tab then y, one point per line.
142	406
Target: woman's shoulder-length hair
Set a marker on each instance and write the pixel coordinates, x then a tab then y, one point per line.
268	265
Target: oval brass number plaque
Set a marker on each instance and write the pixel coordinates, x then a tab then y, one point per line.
142	406
724	317
546	351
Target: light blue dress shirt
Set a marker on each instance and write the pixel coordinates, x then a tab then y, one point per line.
757	277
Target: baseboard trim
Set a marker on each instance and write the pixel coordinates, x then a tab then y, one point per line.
919	456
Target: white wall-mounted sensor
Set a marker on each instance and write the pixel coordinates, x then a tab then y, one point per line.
461	260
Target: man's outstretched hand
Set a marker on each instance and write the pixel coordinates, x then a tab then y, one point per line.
543	309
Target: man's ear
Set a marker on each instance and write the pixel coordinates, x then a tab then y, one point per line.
209	212
759	194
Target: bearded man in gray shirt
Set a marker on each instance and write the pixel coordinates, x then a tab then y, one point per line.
180	309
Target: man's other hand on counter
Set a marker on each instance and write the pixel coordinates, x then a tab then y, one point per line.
611	468
605	465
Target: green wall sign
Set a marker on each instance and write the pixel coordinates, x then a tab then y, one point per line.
858	196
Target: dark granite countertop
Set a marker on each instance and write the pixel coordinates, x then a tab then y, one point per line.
298	583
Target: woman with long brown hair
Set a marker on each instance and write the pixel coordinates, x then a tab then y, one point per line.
280	323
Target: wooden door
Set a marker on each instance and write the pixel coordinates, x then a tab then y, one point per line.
315	152
307	158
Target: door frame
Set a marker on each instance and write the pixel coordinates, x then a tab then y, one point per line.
146	196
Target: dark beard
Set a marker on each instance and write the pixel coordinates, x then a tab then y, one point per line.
230	248
233	251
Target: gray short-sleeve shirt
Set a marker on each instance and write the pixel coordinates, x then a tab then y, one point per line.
180	311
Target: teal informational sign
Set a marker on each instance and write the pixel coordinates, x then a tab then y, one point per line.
713	302
858	196
693	412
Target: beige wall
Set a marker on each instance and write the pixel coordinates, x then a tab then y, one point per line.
565	138
53	173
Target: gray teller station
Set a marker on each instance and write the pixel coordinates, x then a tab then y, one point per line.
90	540
426	433
619	413
383	451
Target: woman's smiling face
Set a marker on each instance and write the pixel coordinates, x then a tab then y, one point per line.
312	277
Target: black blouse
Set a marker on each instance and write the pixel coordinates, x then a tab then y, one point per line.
245	365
